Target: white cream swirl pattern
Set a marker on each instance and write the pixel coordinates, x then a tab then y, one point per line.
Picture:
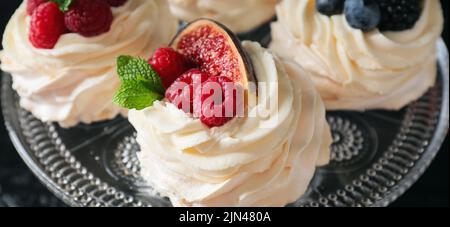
239	164
240	16
75	81
356	70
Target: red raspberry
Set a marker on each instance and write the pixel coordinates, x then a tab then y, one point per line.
209	119
182	90
89	17
169	65
33	4
221	107
116	3
46	26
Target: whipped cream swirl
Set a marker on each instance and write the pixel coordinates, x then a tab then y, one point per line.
356	70
241	163
240	16
75	81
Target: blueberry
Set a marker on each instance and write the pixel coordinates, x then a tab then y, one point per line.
330	7
362	14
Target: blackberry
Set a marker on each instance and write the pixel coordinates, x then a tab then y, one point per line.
399	15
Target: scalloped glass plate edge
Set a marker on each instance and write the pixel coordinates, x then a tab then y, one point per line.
438	138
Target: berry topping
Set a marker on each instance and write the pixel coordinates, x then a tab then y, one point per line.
116	3
89	17
399	15
181	92
330	7
46	26
33	4
362	14
214	92
212	99
219	107
387	15
169	65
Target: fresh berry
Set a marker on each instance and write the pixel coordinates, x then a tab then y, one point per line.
399	15
169	65
210	120
218	108
212	99
330	7
46	26
362	14
89	17
116	3
33	4
181	92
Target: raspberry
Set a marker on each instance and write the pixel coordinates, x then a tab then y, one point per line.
33	4
214	109
182	90
89	17
116	3
46	26
222	107
169	65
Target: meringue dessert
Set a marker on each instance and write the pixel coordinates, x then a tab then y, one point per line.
62	57
198	159
239	16
362	54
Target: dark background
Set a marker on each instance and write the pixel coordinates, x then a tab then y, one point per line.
18	187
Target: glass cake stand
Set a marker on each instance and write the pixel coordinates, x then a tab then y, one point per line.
376	155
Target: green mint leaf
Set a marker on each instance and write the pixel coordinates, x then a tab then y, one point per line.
64	5
137	69
141	85
135	96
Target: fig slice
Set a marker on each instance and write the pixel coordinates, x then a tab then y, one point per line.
216	50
